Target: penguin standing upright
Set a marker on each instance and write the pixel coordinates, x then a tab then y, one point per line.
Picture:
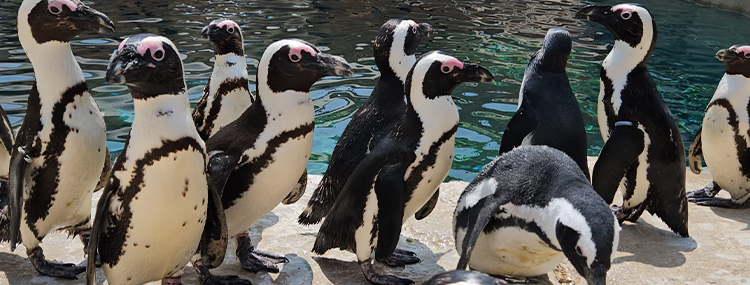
403	171
548	112
529	209
152	214
258	158
724	138
643	149
61	146
395	47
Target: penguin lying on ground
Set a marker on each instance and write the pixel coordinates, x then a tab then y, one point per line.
460	277
7	138
724	138
152	213
548	112
643	146
61	146
395	47
258	158
527	210
403	171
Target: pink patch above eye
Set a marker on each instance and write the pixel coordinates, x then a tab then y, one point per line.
298	51
147	45
743	49
60	3
450	64
414	27
122	44
226	23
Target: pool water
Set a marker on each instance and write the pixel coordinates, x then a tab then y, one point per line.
499	35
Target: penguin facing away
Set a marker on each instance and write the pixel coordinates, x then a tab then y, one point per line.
643	151
402	172
395	48
7	139
258	158
724	137
510	223
153	212
548	112
60	149
461	277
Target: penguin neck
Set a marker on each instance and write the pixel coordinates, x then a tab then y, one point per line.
624	58
732	85
438	113
168	114
229	65
399	64
55	67
297	103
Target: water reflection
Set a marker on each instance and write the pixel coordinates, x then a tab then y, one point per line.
500	35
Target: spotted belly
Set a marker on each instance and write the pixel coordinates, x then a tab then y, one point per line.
720	150
431	178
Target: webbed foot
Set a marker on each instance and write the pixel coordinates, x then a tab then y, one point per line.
206	278
376	278
707	192
715	202
401	257
254	260
60	270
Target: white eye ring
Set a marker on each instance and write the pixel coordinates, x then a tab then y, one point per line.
154	54
747	55
230	29
578	250
295	57
414	29
446	69
53	8
626	15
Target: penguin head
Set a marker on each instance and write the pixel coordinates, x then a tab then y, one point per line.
436	74
630	24
396	45
589	238
736	60
554	53
148	64
295	65
60	20
226	37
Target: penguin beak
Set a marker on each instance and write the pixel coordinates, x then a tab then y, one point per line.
330	65
596	276
595	13
474	73
87	19
425	30
728	56
121	66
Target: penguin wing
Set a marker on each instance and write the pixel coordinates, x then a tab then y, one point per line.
6	132
695	154
19	160
483	211
390	189
428	207
213	244
298	190
520	126
220	166
102	212
619	153
104	177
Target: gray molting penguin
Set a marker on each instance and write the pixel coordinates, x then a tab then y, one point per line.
61	146
7	139
461	277
153	212
395	48
548	112
528	210
724	137
643	151
402	172
258	158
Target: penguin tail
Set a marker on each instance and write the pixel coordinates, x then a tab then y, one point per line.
674	213
335	234
321	202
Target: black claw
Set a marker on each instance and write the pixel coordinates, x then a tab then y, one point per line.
59	270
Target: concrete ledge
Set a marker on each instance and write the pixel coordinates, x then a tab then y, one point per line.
740	6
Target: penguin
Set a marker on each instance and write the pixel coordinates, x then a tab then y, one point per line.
395	48
461	277
61	146
724	137
643	150
517	224
258	158
153	212
403	171
548	112
7	139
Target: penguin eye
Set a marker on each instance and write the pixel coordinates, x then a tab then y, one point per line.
230	29
294	57
747	55
446	69
55	10
625	15
414	29
158	54
578	250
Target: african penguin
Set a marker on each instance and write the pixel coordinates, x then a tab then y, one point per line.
508	222
151	215
395	47
403	171
643	151
548	112
724	138
461	277
61	146
7	139
258	158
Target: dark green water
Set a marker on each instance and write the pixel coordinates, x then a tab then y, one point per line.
500	35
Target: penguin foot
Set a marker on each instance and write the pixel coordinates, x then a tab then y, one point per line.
714	202
400	258
254	260
60	270
376	278
206	278
707	192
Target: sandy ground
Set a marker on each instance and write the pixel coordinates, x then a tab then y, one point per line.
718	251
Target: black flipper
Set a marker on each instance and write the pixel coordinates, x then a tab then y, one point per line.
619	153
520	126
428	207
19	160
390	188
695	154
483	211
214	240
104	177
102	213
220	166
298	190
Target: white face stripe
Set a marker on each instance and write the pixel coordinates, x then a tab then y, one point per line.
399	61
268	54
421	69
572	218
481	191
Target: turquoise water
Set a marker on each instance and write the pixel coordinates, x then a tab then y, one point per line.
500	36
